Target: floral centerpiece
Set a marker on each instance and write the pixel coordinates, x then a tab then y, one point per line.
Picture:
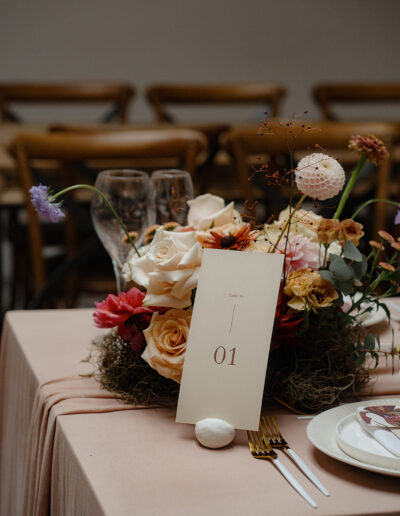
320	351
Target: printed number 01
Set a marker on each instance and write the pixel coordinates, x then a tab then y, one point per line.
220	355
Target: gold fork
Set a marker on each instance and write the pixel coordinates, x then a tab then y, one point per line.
276	440
260	449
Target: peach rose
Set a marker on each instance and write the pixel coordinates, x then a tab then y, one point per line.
166	339
328	230
350	231
308	290
303	222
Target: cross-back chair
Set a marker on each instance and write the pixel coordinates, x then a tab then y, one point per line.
265	94
327	95
72	151
118	95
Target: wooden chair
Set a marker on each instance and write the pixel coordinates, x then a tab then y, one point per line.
213	174
245	143
117	94
73	150
328	94
265	94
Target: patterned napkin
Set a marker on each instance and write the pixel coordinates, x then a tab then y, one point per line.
383	423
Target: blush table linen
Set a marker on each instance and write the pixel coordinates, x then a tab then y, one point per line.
94	456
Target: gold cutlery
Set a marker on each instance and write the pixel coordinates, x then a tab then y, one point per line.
260	449
275	439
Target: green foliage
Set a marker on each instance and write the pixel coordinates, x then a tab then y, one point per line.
351	252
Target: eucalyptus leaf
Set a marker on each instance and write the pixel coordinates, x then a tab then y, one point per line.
351	252
360	268
327	275
369	341
345	286
360	360
340	269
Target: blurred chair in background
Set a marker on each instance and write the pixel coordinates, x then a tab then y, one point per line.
246	147
369	96
328	94
118	95
267	95
74	154
213	175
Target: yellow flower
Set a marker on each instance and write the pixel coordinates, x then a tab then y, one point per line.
307	289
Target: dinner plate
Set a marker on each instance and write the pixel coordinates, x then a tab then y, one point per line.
321	431
359	444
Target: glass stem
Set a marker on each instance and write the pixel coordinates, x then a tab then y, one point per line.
108	204
119	278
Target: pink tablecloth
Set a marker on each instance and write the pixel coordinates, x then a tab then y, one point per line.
140	461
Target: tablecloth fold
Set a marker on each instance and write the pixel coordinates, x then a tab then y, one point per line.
64	396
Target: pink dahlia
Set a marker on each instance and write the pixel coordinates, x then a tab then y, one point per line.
126	311
301	253
319	176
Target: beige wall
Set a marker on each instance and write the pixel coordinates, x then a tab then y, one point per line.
294	42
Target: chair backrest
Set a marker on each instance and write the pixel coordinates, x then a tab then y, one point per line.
190	94
117	94
328	94
182	144
323	136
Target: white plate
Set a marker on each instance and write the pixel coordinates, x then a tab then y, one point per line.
321	431
359	444
376	316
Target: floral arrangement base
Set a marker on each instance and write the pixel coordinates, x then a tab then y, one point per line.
316	373
319	370
120	369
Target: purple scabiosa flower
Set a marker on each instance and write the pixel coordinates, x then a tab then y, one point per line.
397	218
41	200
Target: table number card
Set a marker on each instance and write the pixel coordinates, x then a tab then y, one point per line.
229	339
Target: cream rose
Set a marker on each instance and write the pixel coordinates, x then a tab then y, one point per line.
168	270
209	211
166	339
303	222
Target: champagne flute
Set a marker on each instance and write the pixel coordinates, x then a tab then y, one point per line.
171	189
128	191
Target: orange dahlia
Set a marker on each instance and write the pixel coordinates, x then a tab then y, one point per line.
236	239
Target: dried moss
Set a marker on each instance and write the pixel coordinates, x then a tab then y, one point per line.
318	373
121	370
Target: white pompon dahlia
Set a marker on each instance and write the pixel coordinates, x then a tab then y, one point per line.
319	176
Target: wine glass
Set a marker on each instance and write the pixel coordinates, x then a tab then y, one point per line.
171	189
128	191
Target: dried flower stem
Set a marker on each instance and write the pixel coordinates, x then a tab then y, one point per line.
286	225
108	204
